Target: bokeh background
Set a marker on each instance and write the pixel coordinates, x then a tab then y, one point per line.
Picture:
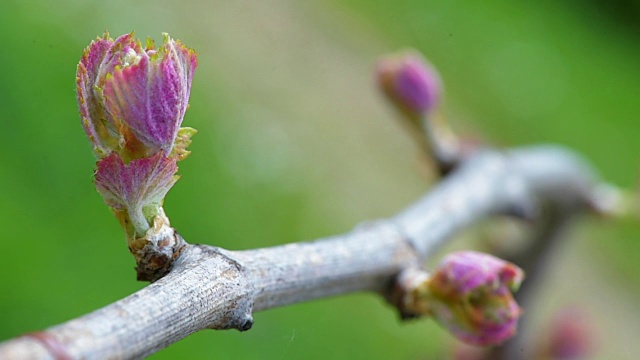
295	143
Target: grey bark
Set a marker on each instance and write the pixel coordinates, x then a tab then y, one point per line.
219	289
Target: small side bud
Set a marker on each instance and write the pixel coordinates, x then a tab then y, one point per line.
410	83
414	87
470	295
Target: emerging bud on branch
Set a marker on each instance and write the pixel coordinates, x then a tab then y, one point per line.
413	86
470	295
410	83
132	101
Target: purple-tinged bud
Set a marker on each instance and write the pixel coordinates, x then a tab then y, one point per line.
136	191
570	337
410	83
132	99
470	295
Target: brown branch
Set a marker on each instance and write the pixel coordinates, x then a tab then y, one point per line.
219	289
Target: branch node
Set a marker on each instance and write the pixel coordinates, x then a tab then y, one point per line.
232	280
404	292
155	259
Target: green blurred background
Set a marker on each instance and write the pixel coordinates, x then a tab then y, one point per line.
295	143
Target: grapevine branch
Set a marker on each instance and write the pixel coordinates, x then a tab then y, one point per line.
214	288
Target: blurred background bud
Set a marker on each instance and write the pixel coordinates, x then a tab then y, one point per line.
570	337
411	83
470	295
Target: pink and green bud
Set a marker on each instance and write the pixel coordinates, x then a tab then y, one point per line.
470	294
133	97
136	191
410	83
